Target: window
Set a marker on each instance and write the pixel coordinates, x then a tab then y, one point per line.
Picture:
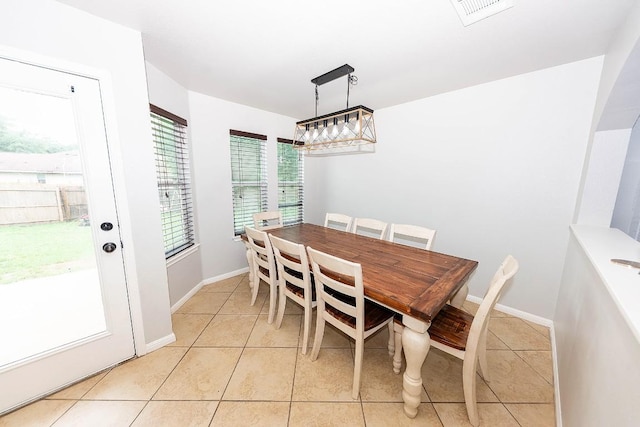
290	182
248	177
174	183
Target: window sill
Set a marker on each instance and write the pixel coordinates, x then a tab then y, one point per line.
182	255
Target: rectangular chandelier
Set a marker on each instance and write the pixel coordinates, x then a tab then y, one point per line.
349	131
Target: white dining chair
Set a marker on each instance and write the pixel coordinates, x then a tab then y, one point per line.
369	227
341	303
410	235
464	336
264	267
294	282
267	220
262	221
338	221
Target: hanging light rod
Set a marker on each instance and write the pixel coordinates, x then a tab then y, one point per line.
333	74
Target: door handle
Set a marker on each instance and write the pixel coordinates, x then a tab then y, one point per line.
109	247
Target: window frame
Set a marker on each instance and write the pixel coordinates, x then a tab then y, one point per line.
240	152
170	130
297	185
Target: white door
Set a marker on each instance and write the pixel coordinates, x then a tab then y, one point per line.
64	310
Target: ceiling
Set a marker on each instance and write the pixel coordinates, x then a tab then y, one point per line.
265	53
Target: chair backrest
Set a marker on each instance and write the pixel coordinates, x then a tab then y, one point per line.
411	235
338	284
262	254
267	220
369	227
338	221
501	278
292	263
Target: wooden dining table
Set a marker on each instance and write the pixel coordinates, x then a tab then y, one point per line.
414	282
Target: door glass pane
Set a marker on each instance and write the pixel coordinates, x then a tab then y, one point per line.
50	293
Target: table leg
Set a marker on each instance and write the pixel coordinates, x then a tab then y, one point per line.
250	262
460	297
415	343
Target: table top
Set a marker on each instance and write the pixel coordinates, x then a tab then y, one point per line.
408	280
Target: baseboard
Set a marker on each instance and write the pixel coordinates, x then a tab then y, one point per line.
215	279
205	282
185	298
556	379
155	345
517	313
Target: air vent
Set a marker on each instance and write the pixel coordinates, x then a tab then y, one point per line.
471	11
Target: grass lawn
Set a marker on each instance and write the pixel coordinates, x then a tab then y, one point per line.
37	250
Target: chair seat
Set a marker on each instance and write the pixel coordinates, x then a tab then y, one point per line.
374	315
296	289
264	271
300	292
451	327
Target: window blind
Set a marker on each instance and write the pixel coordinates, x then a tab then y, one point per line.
174	180
290	182
248	177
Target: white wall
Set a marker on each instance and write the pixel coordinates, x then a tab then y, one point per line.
597	352
493	168
211	119
47	28
185	273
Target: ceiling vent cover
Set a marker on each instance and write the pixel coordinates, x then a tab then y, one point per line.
471	11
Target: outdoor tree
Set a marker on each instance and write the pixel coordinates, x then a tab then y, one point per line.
14	140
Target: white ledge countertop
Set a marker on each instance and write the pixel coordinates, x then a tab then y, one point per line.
601	244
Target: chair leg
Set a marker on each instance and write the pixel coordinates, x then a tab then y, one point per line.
482	356
307	326
391	345
397	355
317	341
357	370
469	386
254	290
282	302
273	289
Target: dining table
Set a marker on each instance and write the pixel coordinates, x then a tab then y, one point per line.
414	282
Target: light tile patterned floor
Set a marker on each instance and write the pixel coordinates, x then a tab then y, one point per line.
228	367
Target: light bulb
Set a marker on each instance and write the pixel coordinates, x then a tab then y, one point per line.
306	133
325	131
334	128
345	129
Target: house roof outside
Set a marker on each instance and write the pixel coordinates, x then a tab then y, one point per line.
51	163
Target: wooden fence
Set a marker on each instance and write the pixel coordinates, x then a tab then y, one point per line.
28	203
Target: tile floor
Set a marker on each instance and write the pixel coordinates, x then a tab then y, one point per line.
228	367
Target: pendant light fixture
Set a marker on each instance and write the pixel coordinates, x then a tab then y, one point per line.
349	131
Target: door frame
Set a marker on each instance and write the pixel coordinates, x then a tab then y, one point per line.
117	172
